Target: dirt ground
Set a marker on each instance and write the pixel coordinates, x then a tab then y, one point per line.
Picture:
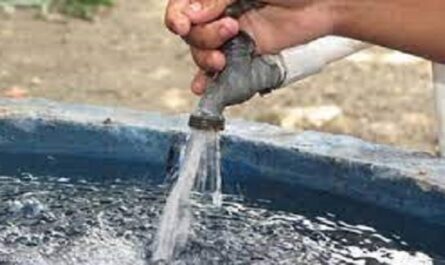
127	59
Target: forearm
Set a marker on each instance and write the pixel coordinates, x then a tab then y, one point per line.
413	26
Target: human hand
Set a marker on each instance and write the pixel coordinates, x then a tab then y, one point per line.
278	25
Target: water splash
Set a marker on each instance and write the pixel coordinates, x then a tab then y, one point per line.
199	168
99	247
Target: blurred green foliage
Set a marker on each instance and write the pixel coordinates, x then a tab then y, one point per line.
23	2
85	9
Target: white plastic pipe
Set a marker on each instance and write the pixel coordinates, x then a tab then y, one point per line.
439	87
302	61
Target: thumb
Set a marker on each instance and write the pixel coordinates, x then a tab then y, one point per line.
203	11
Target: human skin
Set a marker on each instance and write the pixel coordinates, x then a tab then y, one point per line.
412	26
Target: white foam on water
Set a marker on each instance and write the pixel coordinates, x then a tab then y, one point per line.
199	165
386	256
99	247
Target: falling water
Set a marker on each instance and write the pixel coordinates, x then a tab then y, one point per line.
199	168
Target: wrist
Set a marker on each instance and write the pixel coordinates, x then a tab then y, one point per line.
340	13
334	16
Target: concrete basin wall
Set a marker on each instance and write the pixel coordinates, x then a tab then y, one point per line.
404	181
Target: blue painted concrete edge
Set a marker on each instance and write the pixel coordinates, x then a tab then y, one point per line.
401	180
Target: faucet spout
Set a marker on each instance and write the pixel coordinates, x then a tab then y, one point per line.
244	76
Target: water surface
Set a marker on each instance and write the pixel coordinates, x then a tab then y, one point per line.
70	218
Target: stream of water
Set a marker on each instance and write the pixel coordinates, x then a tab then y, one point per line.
199	168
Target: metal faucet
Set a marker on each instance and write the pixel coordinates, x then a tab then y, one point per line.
247	74
244	76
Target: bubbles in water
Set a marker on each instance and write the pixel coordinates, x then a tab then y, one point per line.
115	224
96	248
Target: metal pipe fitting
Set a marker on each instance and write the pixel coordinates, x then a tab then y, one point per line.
244	76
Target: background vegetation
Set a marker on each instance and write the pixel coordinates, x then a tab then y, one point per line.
85	9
